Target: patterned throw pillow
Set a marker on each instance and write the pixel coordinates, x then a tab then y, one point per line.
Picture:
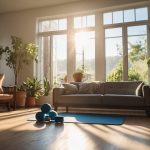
88	88
70	88
138	91
1	82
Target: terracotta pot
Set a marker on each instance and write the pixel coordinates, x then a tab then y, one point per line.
77	77
30	102
20	98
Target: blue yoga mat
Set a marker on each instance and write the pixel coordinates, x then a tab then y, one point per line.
92	119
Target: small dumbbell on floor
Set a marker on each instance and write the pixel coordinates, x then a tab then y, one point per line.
59	119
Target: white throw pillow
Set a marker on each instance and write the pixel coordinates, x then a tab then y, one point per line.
70	88
88	88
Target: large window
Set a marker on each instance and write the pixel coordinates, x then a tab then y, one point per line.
126	44
109	46
53	50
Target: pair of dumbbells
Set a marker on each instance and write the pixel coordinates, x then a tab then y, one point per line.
48	114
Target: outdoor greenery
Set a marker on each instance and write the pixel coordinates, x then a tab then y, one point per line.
18	55
137	64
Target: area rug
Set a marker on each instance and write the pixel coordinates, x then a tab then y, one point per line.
92	119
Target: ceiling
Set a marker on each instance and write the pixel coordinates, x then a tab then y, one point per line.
17	5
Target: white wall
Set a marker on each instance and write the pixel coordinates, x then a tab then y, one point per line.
23	24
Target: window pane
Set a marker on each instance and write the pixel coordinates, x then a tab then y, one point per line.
45	25
129	15
107	18
59	58
62	24
137	30
118	17
54	25
84	21
85	53
115	32
91	21
77	22
137	53
141	14
113	54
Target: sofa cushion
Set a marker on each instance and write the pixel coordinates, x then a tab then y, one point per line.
88	88
70	88
1	82
81	100
122	100
122	87
138	91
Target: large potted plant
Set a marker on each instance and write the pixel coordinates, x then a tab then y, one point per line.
33	88
45	95
18	55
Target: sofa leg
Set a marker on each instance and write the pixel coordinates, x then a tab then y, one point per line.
8	106
66	108
148	112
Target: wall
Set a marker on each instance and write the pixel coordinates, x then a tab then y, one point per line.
23	24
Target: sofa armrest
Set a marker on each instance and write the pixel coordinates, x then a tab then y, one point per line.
57	92
146	94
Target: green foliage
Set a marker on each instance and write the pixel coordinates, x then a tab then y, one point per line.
116	74
33	87
137	64
133	75
47	87
148	60
137	52
19	54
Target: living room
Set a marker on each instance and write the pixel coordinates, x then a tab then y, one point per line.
107	39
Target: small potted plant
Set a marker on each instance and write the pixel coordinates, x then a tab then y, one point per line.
33	88
45	96
78	74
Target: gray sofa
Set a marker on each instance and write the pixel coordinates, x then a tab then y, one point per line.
121	95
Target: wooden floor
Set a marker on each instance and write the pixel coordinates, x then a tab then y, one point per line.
16	133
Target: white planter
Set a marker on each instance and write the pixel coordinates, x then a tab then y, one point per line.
44	99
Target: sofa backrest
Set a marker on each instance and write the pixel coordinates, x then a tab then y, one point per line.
124	87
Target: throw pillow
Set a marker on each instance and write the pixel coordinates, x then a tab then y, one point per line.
138	91
70	88
1	82
88	88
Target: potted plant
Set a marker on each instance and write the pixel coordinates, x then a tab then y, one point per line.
18	55
33	88
21	96
45	96
78	74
